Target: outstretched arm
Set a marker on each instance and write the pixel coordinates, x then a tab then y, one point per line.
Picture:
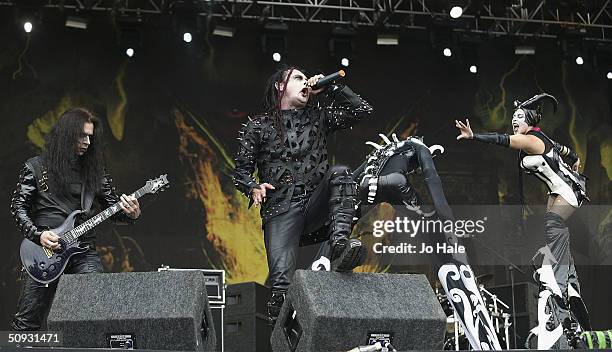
527	143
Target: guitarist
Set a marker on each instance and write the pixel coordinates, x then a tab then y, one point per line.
69	175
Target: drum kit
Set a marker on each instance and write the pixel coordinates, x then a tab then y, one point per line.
498	311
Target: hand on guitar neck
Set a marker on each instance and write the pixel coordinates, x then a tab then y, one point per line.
130	206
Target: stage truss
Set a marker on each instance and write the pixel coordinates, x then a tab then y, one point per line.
590	20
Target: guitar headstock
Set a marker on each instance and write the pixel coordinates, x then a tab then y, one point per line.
157	184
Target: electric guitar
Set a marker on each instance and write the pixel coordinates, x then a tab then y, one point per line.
46	265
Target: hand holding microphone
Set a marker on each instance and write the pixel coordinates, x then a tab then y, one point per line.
319	82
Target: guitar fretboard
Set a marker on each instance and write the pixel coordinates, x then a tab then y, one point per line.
83	228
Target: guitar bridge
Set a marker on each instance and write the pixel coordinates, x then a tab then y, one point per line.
48	252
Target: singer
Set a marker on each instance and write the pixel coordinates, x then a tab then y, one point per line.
298	192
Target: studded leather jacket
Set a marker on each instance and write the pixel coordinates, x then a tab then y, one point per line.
35	208
298	163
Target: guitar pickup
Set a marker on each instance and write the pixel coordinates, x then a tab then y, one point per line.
48	252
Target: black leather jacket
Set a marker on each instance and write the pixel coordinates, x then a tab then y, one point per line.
297	165
35	209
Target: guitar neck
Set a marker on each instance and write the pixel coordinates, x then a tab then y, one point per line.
83	228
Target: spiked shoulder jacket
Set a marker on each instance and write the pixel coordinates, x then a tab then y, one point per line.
290	150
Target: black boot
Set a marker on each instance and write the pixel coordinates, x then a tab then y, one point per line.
345	254
353	255
274	305
340	231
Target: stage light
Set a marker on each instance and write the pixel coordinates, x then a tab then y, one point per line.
187	37
341	44
27	27
447	52
524	50
456	12
76	22
224	31
579	60
609	75
129	33
473	69
387	39
274	39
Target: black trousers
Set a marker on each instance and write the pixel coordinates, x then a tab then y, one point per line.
558	241
282	233
35	298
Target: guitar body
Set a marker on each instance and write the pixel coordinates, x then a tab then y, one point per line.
44	265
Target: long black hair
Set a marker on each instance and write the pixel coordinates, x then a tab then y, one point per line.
60	151
274	92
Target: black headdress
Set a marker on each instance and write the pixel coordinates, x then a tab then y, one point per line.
533	107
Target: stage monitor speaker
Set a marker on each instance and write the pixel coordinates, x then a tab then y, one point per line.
147	310
246	298
247	333
329	311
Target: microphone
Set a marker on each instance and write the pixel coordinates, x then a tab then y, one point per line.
329	79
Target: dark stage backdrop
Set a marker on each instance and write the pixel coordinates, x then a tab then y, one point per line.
176	108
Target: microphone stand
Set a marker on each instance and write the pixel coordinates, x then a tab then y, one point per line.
511	268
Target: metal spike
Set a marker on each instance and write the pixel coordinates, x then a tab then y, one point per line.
377	146
384	138
394	136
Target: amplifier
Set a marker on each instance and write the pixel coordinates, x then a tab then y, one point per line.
214	280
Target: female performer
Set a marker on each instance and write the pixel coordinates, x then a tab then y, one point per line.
541	156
